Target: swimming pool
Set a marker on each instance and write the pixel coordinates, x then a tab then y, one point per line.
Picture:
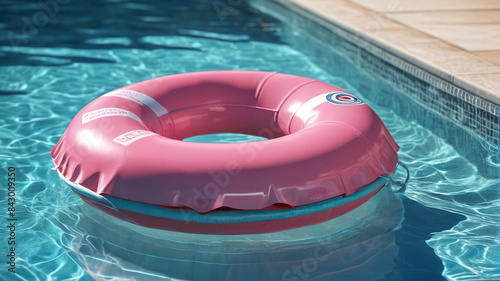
55	61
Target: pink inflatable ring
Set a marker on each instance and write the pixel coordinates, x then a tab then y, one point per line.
327	152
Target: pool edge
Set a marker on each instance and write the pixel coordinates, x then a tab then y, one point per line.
377	29
478	110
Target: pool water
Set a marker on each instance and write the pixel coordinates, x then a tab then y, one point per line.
55	59
224	138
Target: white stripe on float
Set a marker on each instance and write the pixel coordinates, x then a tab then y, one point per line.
141	99
107	112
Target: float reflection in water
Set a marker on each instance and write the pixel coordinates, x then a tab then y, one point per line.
359	245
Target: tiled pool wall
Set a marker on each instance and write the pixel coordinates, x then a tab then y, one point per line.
430	95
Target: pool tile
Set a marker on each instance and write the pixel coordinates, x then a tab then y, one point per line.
485	83
429	53
470	30
491	56
426	5
347	13
450	58
452	82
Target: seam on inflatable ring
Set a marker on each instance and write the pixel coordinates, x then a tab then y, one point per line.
278	110
261	85
363	138
368	144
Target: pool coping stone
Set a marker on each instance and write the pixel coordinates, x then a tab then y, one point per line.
457	66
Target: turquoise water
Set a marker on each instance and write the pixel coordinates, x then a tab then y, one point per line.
224	138
445	226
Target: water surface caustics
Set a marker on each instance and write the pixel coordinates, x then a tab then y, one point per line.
49	74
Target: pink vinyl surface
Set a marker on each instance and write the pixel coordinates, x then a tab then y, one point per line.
243	227
323	142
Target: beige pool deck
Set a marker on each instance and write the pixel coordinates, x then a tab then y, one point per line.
456	40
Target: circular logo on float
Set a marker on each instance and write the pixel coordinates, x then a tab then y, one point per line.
343	98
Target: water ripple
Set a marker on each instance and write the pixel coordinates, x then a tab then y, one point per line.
64	239
443	179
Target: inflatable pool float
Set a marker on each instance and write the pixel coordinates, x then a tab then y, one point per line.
326	153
